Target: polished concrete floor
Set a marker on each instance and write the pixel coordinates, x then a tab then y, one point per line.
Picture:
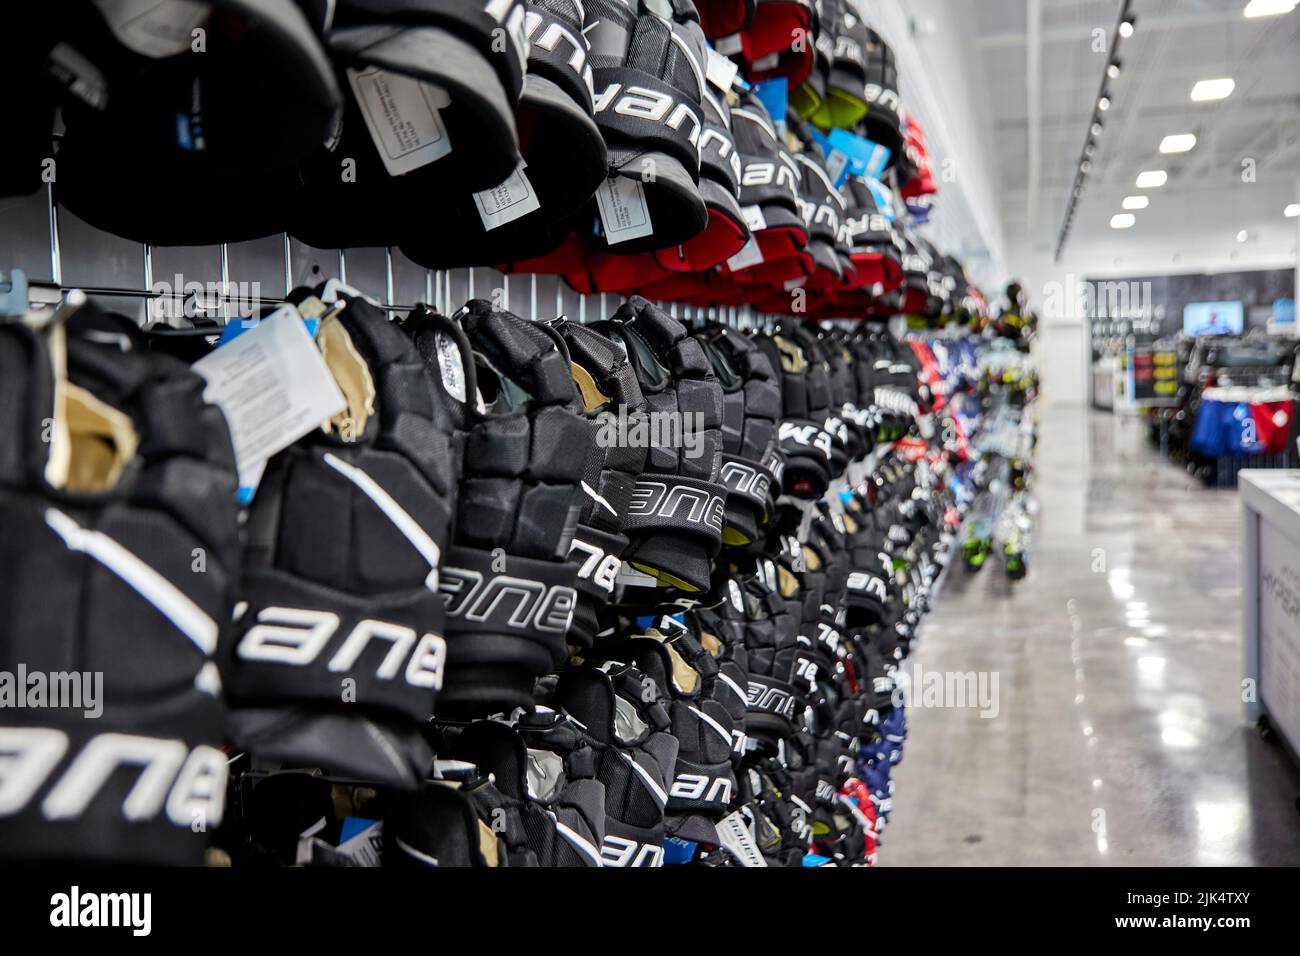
1119	737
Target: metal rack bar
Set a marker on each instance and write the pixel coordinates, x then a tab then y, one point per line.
437	285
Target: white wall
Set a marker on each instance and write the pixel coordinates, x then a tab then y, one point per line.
937	88
1061	351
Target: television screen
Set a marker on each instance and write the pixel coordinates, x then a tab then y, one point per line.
1213	318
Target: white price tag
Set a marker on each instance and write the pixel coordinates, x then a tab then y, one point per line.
754	218
402	116
623	210
507	201
749	255
721	71
273	386
835	164
728	45
630	575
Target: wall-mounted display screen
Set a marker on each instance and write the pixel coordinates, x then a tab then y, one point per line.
1213	318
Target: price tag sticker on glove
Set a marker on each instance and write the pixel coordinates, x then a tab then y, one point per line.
624	214
273	386
506	202
403	117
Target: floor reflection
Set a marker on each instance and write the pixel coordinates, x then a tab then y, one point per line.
1120	737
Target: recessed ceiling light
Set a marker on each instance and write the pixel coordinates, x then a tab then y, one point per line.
1218	89
1136	202
1178	143
1103	104
1269	8
1122	220
1152	179
1127	26
1085	167
1243	236
1112	70
1292	211
1097	128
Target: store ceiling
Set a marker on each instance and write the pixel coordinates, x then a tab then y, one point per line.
1205	203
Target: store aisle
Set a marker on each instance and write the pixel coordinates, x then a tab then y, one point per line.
1118	737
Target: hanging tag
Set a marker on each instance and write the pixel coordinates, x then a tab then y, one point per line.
623	210
630	575
754	218
13	294
402	116
729	45
237	327
506	202
721	71
749	255
274	387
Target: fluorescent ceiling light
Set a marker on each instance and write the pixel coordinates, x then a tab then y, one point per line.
1152	179
1122	220
1136	202
1269	8
1292	211
1178	143
1219	89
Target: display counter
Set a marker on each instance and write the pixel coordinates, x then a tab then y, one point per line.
1271	600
